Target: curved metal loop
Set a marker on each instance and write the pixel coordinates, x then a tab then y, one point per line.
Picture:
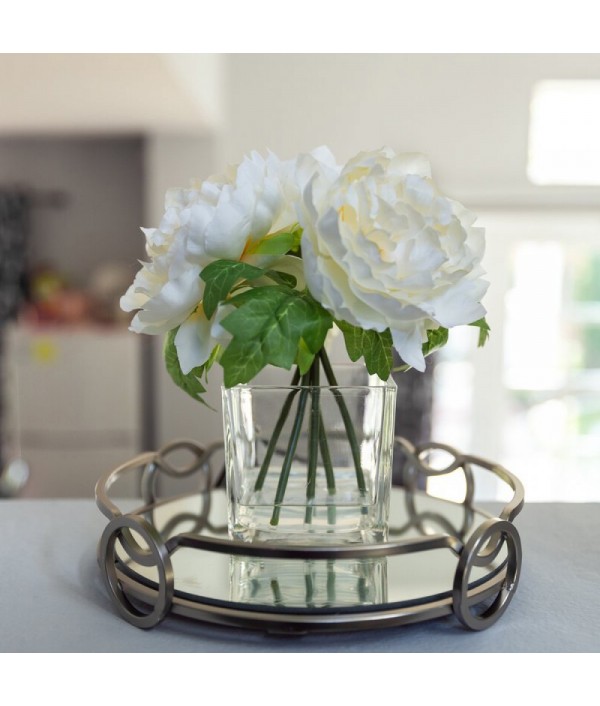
200	460
462	603
107	480
162	464
148	482
425	466
417	464
153	463
157	551
515	505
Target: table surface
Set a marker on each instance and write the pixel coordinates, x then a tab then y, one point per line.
52	598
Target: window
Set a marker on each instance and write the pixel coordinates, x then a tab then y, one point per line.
531	399
564	134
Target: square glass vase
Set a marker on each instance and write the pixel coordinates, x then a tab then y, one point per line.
310	465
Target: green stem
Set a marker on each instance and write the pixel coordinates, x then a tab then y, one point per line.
331	582
285	410
277	597
328	466
339	398
310	586
289	456
362	589
313	441
326	456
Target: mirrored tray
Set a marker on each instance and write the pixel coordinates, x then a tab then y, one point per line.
174	555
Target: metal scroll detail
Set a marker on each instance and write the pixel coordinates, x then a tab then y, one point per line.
485	543
474	553
120	537
418	464
153	554
134	537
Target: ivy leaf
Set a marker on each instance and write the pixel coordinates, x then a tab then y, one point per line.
373	346
304	357
267	327
283	278
484	331
220	276
241	362
190	383
436	338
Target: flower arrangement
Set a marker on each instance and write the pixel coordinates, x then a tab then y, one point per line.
255	267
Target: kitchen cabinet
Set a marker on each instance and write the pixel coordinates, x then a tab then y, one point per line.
73	404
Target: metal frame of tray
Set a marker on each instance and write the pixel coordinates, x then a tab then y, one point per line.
476	603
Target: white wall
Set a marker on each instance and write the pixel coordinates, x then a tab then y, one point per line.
93	93
469	113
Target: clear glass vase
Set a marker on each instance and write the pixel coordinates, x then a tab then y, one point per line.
310	464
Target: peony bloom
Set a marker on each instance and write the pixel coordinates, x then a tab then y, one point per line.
220	218
383	248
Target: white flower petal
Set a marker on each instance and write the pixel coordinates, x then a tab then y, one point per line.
212	219
194	342
461	304
382	248
409	344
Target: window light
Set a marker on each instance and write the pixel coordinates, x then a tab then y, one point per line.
564	133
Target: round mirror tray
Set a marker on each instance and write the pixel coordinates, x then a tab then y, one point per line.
441	557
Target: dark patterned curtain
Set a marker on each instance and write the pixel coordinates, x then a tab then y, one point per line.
14	223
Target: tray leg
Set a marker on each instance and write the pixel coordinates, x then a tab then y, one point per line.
482	547
153	554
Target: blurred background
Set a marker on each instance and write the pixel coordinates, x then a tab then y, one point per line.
89	143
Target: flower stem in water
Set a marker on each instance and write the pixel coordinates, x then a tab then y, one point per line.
289	456
339	398
313	441
328	466
285	410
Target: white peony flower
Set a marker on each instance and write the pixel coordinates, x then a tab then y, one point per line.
220	218
383	248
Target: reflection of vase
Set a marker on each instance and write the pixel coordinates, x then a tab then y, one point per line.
302	583
309	464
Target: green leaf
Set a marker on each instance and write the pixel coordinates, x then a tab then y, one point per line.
220	276
267	327
436	338
190	383
373	346
282	278
484	331
241	362
304	357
